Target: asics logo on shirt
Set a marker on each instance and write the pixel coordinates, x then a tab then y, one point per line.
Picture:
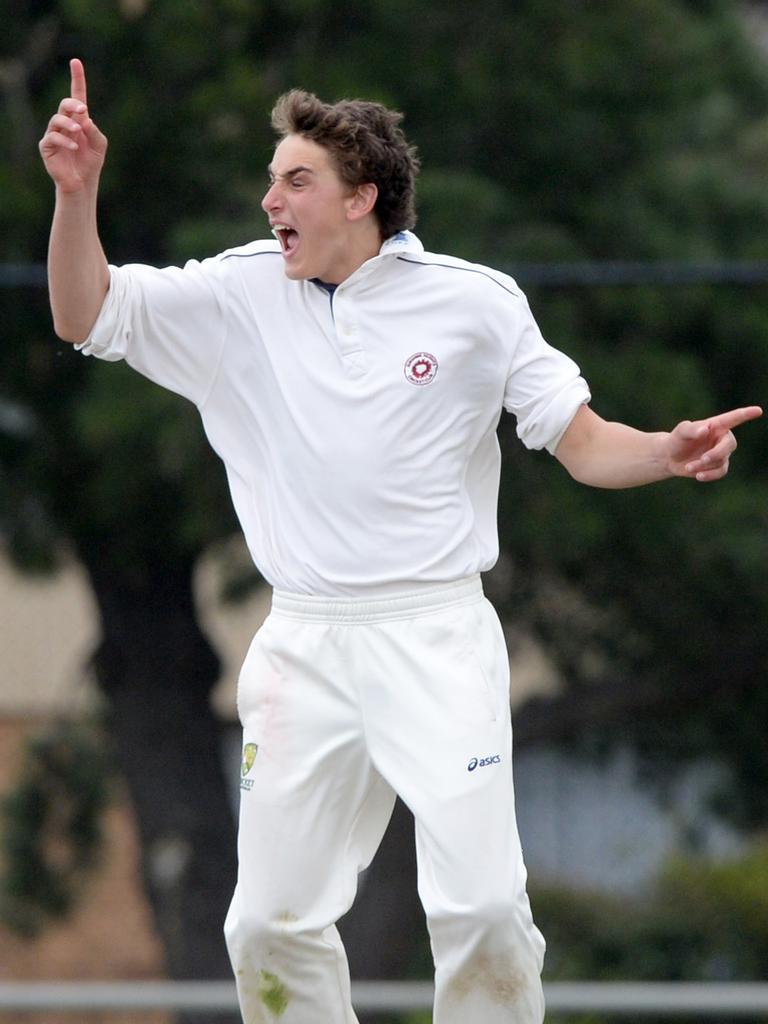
483	762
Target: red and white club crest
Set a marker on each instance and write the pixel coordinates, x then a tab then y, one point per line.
421	368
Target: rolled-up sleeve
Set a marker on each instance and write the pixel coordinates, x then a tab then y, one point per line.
544	388
167	324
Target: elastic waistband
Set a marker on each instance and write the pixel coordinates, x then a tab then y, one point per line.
399	606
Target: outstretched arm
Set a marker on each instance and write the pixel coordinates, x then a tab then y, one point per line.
605	454
73	151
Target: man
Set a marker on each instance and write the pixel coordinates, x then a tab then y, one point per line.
352	383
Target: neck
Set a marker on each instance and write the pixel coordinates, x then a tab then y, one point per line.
363	246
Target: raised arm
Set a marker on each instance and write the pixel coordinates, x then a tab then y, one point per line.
73	151
606	454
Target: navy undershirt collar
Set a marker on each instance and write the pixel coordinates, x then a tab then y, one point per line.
330	288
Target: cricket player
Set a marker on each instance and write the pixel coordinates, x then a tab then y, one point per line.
352	384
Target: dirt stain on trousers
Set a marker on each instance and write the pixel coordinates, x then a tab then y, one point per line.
273	993
498	977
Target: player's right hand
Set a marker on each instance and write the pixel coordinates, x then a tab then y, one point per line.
73	149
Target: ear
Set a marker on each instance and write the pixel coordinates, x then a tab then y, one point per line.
362	201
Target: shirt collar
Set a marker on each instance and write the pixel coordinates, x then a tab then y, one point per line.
403	241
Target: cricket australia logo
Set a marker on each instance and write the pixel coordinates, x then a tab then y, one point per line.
249	756
420	369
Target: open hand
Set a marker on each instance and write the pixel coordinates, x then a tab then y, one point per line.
702	449
73	148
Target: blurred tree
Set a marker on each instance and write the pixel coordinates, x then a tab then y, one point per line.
548	131
699	921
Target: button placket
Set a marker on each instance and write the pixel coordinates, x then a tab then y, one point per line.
350	349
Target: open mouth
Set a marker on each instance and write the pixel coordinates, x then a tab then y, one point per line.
287	236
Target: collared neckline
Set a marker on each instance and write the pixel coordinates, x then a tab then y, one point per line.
396	245
403	241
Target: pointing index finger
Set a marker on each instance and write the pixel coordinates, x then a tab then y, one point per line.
78	89
734	418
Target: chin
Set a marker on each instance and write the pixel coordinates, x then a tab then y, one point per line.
296	273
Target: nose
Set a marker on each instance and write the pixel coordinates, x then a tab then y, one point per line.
271	199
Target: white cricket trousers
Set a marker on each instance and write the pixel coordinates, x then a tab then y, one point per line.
345	703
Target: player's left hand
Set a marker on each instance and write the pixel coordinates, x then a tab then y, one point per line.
702	449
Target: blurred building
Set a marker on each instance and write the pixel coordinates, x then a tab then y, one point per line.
594	824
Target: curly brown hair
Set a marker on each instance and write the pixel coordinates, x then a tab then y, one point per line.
366	144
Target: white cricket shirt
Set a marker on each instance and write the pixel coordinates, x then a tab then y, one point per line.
358	430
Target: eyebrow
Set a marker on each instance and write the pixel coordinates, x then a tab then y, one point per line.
301	169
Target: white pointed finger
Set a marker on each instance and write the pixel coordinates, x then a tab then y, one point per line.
734	418
77	72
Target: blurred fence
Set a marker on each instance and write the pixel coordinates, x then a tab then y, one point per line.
23	275
626	999
554	275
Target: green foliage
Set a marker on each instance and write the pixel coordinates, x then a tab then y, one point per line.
51	835
701	922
